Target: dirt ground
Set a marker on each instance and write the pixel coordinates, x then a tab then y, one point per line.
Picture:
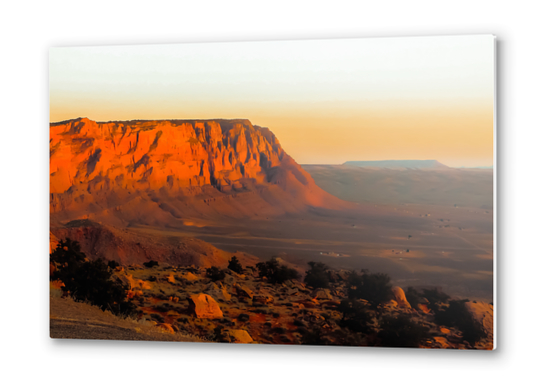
72	320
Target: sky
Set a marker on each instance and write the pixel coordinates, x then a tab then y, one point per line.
327	101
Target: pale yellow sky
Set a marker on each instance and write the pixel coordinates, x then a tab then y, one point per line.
327	101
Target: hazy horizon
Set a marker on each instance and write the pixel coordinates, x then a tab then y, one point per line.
327	101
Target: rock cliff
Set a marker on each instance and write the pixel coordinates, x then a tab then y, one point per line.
155	172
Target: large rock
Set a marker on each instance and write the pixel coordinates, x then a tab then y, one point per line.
322	294
239	336
189	276
400	297
218	291
483	314
244	292
263	298
132	283
204	307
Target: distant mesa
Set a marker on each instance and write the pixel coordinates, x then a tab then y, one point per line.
160	172
398	164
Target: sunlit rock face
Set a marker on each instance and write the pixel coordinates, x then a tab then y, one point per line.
126	170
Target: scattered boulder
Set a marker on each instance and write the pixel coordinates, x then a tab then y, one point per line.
204	307
483	314
442	342
322	294
239	336
400	297
244	292
171	278
424	308
292	292
218	291
129	280
189	276
263	298
167	328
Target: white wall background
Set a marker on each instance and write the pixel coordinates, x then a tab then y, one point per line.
29	29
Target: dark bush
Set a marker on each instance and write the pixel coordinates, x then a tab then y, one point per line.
156	317
218	335
355	316
413	297
317	276
314	336
234	265
279	330
215	273
435	298
373	287
457	315
401	332
299	323
150	264
276	273
243	317
89	280
112	264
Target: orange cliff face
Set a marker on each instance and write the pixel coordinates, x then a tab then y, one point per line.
159	172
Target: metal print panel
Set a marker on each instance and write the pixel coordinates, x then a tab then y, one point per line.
324	192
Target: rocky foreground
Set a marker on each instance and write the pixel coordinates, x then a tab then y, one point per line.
245	308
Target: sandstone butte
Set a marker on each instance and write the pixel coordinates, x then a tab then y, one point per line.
155	172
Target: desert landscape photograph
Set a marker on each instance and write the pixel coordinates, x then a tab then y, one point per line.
308	192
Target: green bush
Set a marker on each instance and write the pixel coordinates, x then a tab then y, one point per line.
89	280
401	332
215	273
317	276
457	315
355	316
373	287
276	273
234	265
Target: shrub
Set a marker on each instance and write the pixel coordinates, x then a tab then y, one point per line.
457	315
355	316
276	273
314	336
112	264
218	335
157	317
150	264
278	330
317	276
234	265
435	298
413	297
215	273
401	332
373	287
89	280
